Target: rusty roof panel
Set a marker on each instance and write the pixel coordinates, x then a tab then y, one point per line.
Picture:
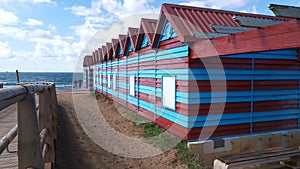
186	19
93	58
100	55
122	39
133	33
147	28
104	53
96	57
132	37
115	46
109	50
88	60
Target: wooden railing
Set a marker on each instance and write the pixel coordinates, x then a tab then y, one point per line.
37	123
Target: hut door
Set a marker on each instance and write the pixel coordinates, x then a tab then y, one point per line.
87	78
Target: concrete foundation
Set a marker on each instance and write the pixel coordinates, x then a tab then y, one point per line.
208	150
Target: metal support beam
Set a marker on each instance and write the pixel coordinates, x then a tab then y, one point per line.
207	35
229	29
285	11
254	22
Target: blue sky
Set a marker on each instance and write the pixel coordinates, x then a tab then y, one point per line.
54	35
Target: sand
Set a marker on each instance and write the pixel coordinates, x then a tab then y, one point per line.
79	137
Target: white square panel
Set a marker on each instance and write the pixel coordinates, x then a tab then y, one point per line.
131	85
115	82
168	90
108	80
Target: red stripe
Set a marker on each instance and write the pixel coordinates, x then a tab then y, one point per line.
170	43
275	105
275	125
145	113
263	39
216	62
206	132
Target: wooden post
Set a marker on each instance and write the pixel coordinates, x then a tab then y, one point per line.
29	152
45	122
1	85
17	76
54	111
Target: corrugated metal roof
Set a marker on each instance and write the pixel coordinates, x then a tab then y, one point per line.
84	62
122	39
115	46
132	37
186	20
147	28
88	60
109	50
100	55
93	58
97	57
104	53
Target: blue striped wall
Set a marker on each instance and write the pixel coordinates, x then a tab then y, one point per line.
208	97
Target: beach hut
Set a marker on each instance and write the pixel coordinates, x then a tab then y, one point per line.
88	72
205	73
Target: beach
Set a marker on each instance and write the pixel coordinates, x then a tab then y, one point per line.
76	150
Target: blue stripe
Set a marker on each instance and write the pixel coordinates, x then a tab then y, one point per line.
277	55
173	53
233	74
299	106
211	120
219	97
177	52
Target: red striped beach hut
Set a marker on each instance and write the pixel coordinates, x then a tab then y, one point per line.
206	73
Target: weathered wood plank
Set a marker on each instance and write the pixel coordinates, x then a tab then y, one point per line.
29	153
256	157
8	119
8	138
28	145
9	96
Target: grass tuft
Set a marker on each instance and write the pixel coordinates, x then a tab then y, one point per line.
185	155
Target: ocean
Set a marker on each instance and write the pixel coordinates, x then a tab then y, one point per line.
63	81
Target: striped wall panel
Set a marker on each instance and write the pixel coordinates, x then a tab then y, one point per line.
215	97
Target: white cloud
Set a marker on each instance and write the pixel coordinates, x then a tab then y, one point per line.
8	18
52	28
250	10
13	32
70	59
5	50
45	37
106	19
217	3
41	51
33	22
39	1
33	1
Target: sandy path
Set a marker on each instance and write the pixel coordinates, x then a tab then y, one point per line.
76	150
